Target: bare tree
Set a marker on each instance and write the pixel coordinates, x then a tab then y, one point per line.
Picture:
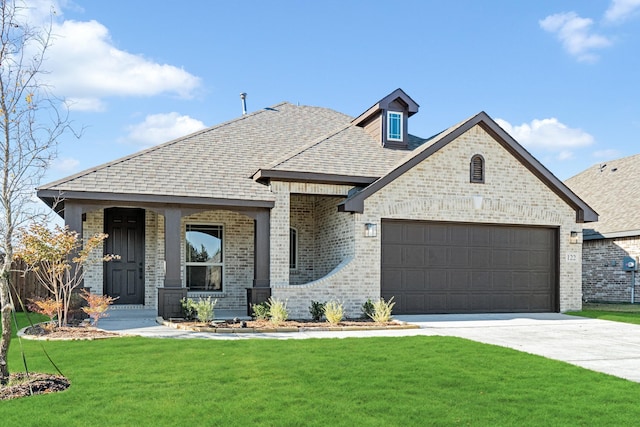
31	121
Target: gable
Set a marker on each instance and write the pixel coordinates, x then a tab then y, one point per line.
516	153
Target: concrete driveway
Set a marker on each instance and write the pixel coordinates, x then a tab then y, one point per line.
609	347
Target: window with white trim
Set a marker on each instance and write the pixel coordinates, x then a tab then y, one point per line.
394	126
293	248
203	257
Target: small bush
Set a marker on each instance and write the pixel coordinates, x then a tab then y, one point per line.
188	309
277	310
261	311
334	312
382	310
97	305
367	309
47	306
317	310
205	309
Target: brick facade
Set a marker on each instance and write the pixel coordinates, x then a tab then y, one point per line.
603	279
337	262
438	189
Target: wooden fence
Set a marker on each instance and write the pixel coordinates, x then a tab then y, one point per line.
25	286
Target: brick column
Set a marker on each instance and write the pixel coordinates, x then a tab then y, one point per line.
280	223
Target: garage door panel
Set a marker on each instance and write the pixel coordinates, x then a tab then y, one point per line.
414	280
437	257
413	256
500	258
480	258
392	255
460	268
413	234
437	235
519	259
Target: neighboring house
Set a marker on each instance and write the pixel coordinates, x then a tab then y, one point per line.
612	190
305	203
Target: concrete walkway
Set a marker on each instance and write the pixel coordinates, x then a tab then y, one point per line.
609	347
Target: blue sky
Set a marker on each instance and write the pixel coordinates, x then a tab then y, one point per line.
560	76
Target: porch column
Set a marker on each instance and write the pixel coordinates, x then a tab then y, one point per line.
169	297
172	234
261	258
73	220
73	217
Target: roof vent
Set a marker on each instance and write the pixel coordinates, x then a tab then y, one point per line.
243	97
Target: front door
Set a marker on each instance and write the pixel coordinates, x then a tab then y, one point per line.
124	277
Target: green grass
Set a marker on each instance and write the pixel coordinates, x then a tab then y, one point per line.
617	316
318	382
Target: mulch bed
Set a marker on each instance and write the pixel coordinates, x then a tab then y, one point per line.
289	325
23	385
80	332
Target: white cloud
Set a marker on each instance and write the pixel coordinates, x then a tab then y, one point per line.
85	65
65	165
157	128
85	104
620	10
575	34
606	154
548	135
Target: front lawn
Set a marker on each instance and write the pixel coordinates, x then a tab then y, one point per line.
617	316
324	382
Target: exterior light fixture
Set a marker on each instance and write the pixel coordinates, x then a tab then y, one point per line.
573	238
370	230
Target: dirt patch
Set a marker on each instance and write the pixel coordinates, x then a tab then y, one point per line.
23	385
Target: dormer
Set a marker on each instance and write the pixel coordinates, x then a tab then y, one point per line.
386	121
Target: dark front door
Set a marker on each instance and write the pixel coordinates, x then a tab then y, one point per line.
124	278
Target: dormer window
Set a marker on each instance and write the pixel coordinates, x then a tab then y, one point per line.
394	126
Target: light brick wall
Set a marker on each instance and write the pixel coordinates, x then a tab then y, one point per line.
603	279
93	271
438	189
303	220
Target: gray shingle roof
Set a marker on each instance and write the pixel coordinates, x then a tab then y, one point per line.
217	162
614	193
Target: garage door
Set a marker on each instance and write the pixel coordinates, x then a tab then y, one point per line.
434	267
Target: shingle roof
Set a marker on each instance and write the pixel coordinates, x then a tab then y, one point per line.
217	162
613	191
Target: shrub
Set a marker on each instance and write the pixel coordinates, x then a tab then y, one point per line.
97	305
382	310
367	309
317	310
261	311
205	309
277	310
47	306
188	309
333	311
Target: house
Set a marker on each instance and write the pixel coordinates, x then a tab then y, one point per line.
308	204
612	190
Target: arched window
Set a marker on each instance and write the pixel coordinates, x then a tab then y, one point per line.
477	169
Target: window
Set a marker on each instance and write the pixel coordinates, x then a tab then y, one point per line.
204	261
477	169
293	248
394	126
